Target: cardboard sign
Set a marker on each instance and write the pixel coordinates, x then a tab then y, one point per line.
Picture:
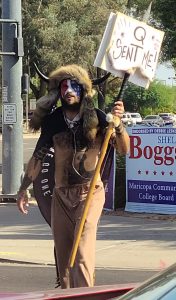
131	46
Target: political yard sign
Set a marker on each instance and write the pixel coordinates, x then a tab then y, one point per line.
150	170
130	46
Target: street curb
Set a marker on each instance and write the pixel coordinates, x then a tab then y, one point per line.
27	135
114	213
154	216
32	202
13	261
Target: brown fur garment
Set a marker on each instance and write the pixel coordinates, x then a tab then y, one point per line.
87	110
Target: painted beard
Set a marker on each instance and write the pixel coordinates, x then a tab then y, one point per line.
70	107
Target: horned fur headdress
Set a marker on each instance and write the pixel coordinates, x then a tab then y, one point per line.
87	110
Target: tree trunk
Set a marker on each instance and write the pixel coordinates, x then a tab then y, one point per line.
38	93
101	90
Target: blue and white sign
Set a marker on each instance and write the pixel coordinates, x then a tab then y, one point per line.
151	170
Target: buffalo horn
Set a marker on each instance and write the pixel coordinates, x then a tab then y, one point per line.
41	75
94	81
101	79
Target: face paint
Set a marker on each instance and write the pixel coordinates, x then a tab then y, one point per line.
70	86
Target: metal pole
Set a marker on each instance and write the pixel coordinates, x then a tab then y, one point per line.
12	106
25	92
27	112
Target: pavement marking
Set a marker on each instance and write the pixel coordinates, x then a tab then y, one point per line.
26	233
105	248
115	245
107	232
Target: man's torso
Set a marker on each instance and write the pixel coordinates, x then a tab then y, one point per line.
75	157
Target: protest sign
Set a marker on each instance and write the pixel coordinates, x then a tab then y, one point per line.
129	46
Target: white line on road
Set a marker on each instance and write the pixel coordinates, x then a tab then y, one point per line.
116	244
25	233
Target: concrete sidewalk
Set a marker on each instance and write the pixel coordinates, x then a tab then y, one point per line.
123	242
28	134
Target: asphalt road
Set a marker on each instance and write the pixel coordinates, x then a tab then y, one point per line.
28	146
128	249
29	142
28	238
30	278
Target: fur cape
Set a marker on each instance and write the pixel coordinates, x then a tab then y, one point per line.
47	102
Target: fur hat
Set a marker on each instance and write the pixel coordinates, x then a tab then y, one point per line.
73	72
87	110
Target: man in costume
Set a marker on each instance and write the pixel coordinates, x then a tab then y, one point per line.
76	131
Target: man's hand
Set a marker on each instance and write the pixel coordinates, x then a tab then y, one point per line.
118	109
22	201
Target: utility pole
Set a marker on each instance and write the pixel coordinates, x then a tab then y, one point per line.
25	92
12	106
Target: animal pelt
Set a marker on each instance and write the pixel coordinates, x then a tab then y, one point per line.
87	110
90	119
73	72
43	107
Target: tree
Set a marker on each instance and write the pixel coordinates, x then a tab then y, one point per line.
158	98
162	18
164	13
59	32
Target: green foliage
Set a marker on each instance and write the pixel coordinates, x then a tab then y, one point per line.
164	14
158	98
58	32
173	60
113	86
163	18
64	31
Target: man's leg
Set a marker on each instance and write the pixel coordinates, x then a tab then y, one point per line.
63	232
82	274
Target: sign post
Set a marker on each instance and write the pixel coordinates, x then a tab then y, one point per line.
12	106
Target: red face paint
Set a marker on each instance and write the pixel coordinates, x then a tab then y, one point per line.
70	86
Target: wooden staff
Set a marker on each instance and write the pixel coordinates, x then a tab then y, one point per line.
94	179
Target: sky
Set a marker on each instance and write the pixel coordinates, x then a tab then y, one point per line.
163	72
